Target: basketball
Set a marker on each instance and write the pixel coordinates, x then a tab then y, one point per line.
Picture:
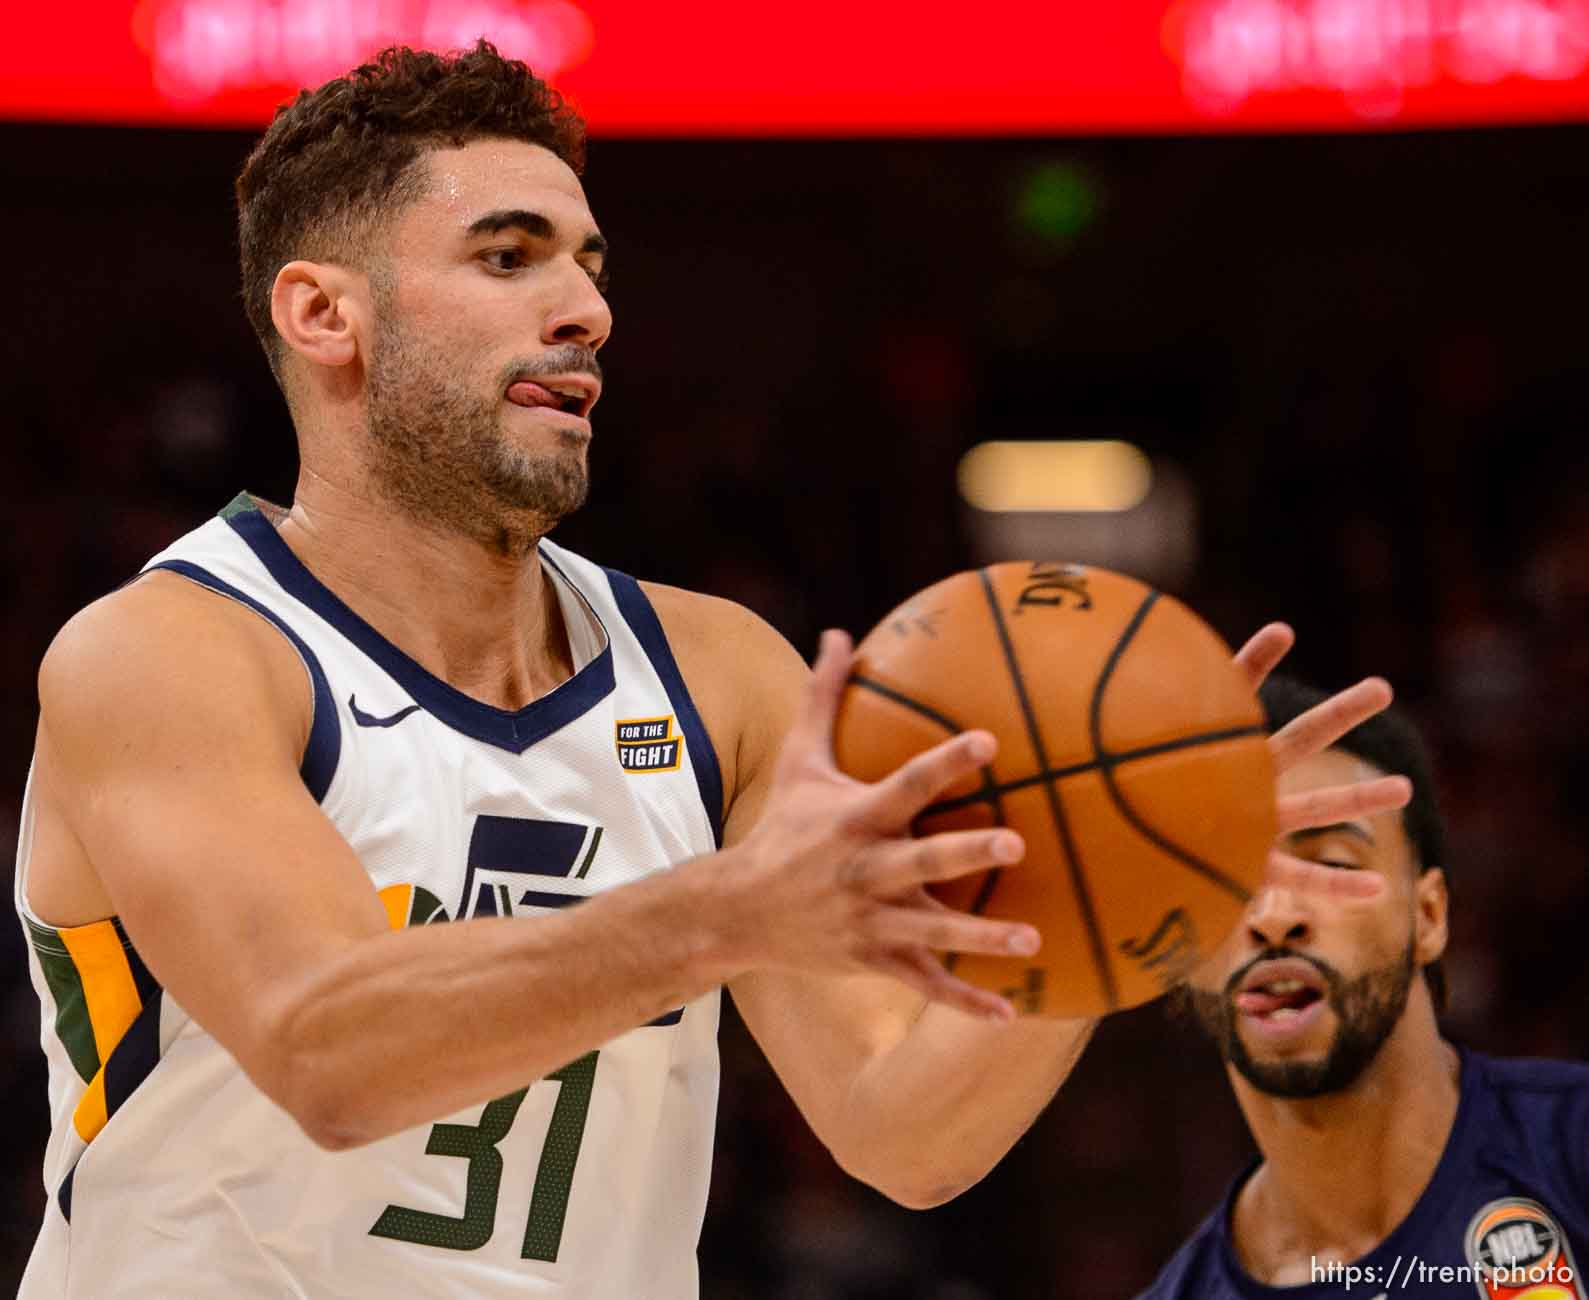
1132	757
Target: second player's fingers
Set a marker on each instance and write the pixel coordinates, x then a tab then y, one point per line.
909	788
1291	872
1326	722
1265	648
1340	803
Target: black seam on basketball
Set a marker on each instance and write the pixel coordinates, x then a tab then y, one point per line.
992	793
994	796
989	792
990	877
1184	742
990	880
1056	805
1108	762
915	706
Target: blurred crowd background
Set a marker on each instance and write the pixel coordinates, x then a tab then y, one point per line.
1366	356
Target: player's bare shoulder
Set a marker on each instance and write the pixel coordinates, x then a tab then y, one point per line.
164	645
157	675
744	676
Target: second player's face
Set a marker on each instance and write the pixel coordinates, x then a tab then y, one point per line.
488	316
1304	992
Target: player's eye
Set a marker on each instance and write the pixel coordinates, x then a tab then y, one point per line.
510	258
598	277
1339	862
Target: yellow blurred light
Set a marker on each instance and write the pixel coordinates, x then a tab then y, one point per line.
1082	476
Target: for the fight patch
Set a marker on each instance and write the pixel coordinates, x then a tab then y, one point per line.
648	745
1519	1252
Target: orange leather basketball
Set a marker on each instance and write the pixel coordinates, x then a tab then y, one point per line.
1132	758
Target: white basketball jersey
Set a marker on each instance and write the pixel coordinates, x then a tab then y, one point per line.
171	1175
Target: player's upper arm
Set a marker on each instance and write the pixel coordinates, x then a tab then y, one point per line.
173	722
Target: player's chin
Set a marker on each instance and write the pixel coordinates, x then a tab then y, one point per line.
566	425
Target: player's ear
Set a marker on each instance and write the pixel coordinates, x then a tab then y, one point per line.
1430	929
318	310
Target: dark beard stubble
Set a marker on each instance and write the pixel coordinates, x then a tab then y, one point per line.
1367	1010
440	455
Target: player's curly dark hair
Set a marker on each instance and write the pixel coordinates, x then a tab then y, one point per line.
1393	744
338	161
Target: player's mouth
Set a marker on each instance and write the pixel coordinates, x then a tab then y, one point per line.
1281	1000
571	395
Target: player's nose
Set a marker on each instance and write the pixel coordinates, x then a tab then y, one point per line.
1278	917
580	313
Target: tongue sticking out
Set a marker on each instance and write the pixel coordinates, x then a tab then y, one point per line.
524	393
1258	1003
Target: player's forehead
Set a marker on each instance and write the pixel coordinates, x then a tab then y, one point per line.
465	184
1330	767
1387	832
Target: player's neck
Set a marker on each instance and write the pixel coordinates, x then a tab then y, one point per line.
485	620
1341	1172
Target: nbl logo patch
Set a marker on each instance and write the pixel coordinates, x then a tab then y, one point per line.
648	745
1519	1252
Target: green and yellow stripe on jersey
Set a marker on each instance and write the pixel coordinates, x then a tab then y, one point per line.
107	1013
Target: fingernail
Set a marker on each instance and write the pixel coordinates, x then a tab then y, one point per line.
1023	942
1008	847
981	748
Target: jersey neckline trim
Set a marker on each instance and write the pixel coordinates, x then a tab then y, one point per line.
514	731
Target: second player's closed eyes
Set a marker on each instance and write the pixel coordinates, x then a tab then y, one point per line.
1333	848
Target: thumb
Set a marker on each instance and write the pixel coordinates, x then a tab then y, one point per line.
812	733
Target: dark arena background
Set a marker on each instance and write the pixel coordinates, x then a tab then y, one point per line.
1336	306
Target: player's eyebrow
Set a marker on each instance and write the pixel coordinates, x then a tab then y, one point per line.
532	224
1334	828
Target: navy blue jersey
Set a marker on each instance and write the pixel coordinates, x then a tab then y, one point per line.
1505	1216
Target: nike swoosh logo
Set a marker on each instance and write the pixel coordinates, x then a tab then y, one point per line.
370	720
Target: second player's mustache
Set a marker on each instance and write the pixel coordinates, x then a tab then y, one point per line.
1332	977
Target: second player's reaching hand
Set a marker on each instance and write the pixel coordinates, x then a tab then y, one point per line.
1312	733
832	880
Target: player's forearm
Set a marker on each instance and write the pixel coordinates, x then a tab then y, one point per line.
932	1115
409	1026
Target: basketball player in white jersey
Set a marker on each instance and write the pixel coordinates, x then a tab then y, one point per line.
382	861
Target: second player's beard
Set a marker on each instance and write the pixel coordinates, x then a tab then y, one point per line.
440	454
1367	1010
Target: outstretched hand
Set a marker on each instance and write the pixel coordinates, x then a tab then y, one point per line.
1310	734
836	881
